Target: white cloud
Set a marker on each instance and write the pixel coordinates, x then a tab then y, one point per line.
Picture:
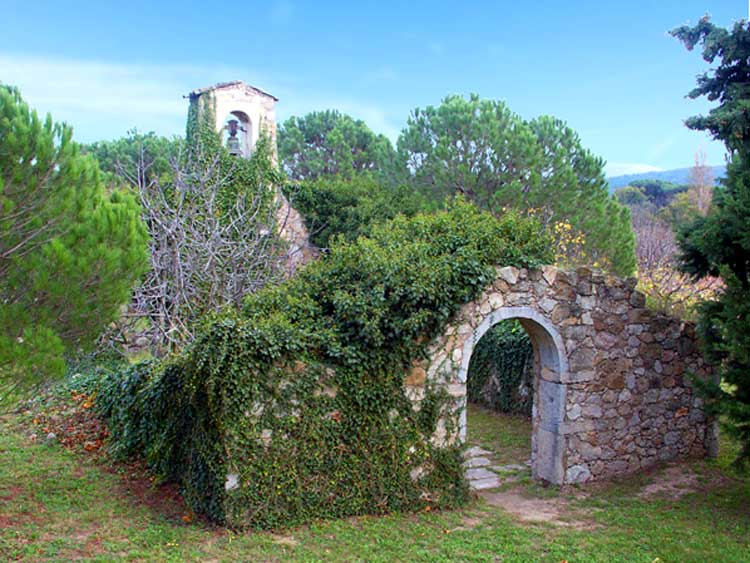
612	169
102	100
666	143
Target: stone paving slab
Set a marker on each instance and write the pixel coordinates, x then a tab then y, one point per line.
476	451
479	473
482	484
477	462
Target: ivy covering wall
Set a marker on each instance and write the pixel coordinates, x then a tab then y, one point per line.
294	408
244	173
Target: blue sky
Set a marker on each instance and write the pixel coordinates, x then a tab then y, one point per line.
608	68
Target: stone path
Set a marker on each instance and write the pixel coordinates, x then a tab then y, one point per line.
482	474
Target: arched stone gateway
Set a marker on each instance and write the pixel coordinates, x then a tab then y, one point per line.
612	393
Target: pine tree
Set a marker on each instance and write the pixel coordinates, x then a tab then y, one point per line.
719	243
69	250
483	151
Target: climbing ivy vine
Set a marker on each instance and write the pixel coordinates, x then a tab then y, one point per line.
293	408
500	375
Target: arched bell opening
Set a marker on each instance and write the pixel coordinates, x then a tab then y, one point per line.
237	134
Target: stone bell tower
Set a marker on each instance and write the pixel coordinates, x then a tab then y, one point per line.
243	113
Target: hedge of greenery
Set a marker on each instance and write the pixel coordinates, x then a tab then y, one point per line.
294	407
500	373
349	207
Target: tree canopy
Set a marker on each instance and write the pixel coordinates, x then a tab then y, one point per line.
329	143
149	151
719	243
480	149
70	250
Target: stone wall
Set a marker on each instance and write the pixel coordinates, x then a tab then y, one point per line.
292	229
612	393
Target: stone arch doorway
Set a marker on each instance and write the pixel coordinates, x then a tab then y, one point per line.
612	395
550	371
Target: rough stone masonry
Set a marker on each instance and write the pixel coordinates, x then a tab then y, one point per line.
612	391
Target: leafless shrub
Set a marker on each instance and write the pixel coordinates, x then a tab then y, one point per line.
206	252
667	289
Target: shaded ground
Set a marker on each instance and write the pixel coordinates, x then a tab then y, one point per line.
507	436
499	448
58	504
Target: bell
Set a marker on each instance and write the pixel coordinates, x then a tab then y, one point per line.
233	143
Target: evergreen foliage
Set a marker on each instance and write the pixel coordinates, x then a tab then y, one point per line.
329	144
719	244
482	150
294	408
70	251
349	207
136	150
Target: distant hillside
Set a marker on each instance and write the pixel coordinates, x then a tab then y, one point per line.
676	176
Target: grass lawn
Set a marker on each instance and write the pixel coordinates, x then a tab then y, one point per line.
63	505
507	436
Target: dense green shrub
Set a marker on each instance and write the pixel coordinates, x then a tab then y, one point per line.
349	207
299	397
500	373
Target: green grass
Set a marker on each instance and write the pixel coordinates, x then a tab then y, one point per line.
507	436
56	505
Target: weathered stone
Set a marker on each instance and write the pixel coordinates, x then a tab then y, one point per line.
483	484
509	274
477	462
605	340
577	474
574	411
637	299
611	396
496	300
479	473
549	273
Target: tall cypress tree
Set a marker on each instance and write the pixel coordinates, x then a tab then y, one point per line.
719	244
70	250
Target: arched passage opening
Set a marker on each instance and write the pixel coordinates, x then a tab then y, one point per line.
545	382
237	134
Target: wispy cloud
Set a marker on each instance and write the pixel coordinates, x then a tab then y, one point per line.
103	100
612	169
666	143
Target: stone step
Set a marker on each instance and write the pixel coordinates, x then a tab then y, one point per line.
476	451
482	484
477	462
479	473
